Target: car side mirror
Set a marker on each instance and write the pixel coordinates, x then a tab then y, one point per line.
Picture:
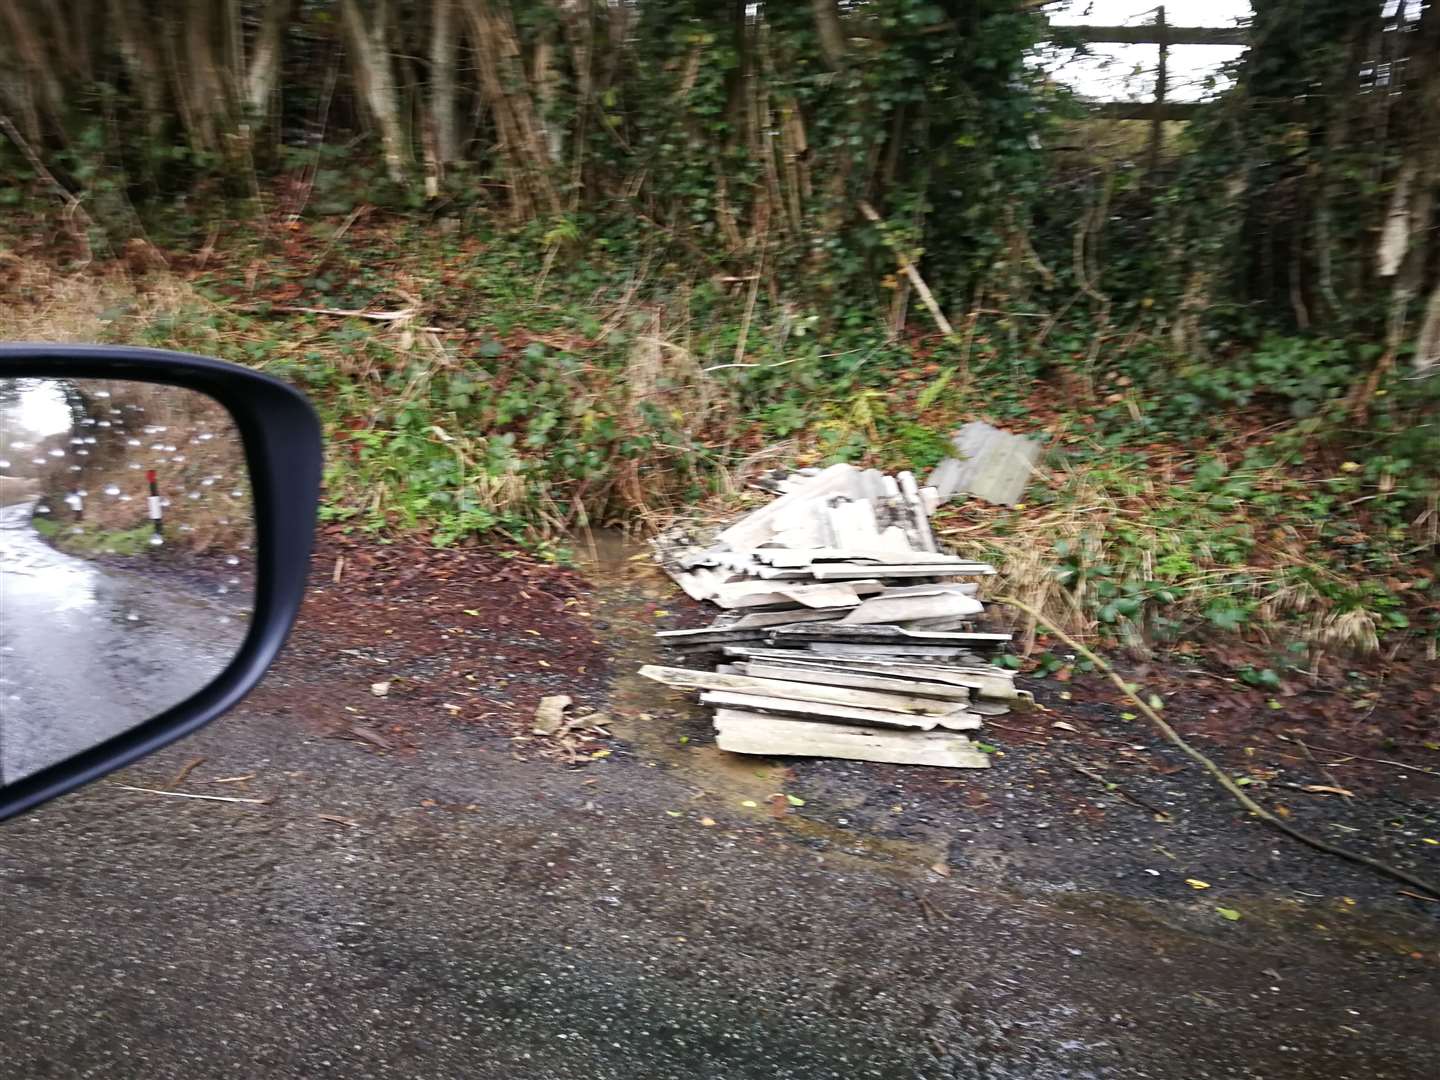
156	516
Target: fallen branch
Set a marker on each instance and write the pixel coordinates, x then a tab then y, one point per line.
354	216
73	209
908	268
749	310
722	367
354	313
187	795
1218	773
347	313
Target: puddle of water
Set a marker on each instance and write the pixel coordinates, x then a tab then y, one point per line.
664	726
669	729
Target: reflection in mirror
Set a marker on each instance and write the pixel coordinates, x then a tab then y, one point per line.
126	535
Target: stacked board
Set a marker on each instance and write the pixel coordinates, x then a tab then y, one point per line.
845	631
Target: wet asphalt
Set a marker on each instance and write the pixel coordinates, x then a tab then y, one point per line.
455	912
88	651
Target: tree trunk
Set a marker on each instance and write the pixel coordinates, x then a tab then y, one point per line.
547	87
1427	343
199	76
506	90
444	52
70	27
136	36
262	70
830	32
580	37
369	47
1395	236
617	29
37	80
1427	121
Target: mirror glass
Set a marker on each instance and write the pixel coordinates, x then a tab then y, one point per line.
126	569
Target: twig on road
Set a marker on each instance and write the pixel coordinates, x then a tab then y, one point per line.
1361	757
1329	776
1220	775
187	795
1116	789
185	770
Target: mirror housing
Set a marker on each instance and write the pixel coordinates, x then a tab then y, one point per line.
281	439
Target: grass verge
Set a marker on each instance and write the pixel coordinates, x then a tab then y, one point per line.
468	393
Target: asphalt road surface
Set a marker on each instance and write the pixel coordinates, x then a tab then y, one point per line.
88	651
456	913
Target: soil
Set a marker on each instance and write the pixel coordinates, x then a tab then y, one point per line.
1081	797
461	636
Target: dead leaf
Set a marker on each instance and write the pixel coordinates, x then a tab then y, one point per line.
778	806
550	714
1326	789
1063	726
708	822
380	689
941	869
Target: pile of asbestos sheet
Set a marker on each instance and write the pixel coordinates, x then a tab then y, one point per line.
845	631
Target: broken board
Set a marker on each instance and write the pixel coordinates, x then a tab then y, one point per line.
990	464
844	714
857	679
743	732
810	693
886	634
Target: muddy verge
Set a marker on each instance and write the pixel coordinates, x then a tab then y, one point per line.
394	639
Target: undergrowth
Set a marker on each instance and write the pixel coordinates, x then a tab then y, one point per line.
493	390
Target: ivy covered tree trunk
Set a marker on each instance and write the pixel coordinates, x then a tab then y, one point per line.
507	92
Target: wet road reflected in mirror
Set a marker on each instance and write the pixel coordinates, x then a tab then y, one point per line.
125	542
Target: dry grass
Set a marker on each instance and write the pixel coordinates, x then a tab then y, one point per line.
42	304
100	304
1135	531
